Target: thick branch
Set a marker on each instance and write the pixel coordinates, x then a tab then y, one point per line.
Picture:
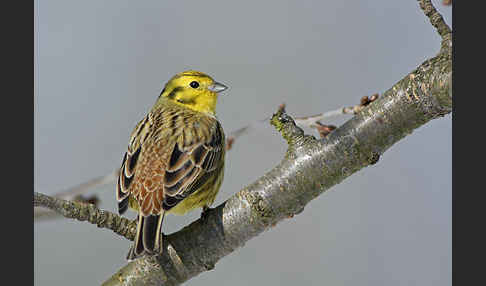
310	167
76	193
87	212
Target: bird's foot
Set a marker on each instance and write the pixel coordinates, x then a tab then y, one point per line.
131	254
205	213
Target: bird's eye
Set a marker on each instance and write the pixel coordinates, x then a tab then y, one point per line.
194	84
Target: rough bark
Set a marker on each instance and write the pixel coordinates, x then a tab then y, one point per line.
87	212
310	167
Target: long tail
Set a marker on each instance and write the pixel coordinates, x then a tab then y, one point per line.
147	239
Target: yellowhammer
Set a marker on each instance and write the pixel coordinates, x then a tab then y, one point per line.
175	158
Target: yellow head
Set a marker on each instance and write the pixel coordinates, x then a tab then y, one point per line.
194	90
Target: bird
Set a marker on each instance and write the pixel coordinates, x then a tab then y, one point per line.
175	158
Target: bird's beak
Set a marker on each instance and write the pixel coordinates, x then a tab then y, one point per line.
217	87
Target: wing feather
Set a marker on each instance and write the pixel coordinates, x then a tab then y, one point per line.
159	173
129	162
201	159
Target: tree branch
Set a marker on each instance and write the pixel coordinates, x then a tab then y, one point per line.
88	212
438	22
310	167
76	194
304	121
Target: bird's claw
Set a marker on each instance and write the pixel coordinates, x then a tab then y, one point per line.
205	213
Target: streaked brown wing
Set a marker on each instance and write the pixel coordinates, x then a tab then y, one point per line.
129	162
170	155
191	166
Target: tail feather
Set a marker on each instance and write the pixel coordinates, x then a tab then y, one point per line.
149	233
138	246
147	239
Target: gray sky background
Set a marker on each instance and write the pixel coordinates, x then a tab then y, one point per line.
100	65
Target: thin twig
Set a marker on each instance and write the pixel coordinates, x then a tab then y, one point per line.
285	190
87	212
233	135
312	121
304	121
438	22
76	193
309	168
